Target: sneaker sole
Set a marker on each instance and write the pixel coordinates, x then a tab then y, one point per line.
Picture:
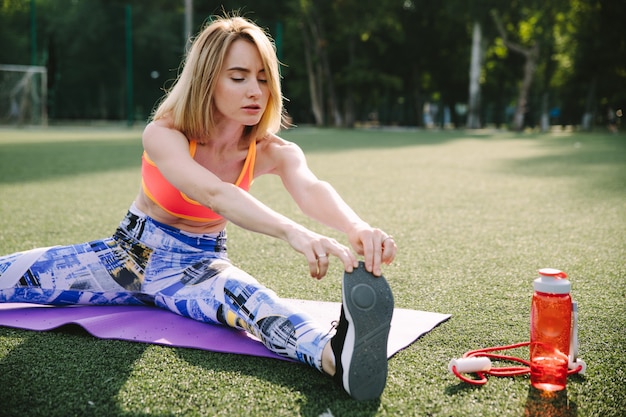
368	307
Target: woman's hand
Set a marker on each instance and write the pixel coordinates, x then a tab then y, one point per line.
317	248
376	246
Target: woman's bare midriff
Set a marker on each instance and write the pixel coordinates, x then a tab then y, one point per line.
143	203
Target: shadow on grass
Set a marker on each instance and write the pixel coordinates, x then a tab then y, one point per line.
461	387
63	373
552	404
51	159
69	372
48	159
26	162
538	403
568	156
598	160
336	140
322	396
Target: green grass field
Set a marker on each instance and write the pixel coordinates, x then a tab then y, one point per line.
475	214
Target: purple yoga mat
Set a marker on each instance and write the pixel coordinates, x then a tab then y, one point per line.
156	326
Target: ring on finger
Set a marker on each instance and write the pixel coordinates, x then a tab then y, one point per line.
388	237
322	256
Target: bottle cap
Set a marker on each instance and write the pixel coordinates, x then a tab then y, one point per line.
552	281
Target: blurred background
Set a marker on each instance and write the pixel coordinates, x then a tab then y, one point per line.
530	64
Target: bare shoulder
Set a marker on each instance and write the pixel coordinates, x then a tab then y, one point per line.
276	146
274	154
160	128
160	135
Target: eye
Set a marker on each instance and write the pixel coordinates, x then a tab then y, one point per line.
262	81
237	79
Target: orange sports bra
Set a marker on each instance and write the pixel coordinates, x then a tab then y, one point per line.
175	202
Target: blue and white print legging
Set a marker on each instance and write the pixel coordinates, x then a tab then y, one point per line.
147	262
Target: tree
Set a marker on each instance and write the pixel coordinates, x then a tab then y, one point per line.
531	55
363	44
478	55
317	62
595	74
478	11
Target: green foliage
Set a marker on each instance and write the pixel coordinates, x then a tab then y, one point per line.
386	58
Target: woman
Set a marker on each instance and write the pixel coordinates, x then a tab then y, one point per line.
213	133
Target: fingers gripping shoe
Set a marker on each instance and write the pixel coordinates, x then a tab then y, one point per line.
360	343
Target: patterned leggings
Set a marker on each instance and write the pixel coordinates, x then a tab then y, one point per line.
147	262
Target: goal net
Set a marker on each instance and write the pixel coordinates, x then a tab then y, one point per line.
23	95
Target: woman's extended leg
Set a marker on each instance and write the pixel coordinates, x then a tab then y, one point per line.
215	291
96	272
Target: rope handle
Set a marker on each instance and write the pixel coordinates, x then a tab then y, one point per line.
478	362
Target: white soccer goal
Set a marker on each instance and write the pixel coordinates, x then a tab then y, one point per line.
23	95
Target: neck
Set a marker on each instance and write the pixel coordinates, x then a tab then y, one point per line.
227	134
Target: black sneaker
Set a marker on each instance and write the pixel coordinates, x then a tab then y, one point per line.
360	344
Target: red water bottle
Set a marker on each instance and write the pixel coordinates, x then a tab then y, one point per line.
550	326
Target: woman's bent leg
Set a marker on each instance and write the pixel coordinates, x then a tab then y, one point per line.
217	292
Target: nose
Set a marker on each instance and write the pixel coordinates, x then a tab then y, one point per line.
254	90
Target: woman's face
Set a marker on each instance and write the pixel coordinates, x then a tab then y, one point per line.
241	94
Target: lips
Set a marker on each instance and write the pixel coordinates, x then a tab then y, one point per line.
252	110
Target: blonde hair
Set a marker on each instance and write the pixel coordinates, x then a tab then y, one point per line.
189	102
